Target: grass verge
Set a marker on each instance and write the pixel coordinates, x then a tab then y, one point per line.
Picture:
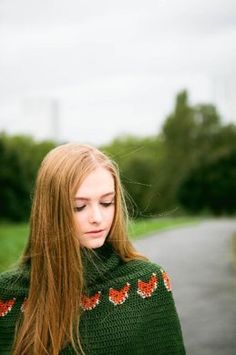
13	239
144	228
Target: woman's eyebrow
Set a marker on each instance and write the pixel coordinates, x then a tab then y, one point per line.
88	199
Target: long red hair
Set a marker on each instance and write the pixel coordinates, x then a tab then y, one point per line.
52	313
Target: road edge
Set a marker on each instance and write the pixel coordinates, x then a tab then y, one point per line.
233	253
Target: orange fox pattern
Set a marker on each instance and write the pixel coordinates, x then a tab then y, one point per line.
88	303
6	306
117	297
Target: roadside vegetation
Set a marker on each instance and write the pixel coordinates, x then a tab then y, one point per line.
13	237
144	228
188	167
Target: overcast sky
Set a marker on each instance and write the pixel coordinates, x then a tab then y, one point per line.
89	70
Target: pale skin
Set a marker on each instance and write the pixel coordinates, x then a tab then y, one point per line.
94	208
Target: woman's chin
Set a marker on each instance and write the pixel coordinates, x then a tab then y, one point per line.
94	243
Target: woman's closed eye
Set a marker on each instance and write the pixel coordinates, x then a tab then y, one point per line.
79	208
104	204
107	204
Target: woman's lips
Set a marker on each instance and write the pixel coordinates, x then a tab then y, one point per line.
95	232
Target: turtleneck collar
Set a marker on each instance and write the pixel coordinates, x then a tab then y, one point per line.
99	264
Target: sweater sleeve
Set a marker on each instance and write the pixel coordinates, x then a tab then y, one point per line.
160	329
7	326
10	310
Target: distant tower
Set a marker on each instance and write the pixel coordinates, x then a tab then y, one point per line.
55	120
224	96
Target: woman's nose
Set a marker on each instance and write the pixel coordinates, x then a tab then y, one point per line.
95	215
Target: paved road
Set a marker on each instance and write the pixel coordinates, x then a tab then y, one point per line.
199	262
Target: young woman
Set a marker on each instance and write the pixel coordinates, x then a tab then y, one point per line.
80	286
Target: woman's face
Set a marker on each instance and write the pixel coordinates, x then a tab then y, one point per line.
94	208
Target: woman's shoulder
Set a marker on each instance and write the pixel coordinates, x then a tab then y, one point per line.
142	268
148	272
144	276
140	282
142	265
14	283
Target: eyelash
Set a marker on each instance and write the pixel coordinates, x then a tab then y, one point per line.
104	204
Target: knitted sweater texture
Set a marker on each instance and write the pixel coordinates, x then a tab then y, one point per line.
128	307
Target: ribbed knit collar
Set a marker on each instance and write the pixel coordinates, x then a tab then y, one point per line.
100	264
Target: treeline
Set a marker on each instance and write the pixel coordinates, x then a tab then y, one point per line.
189	167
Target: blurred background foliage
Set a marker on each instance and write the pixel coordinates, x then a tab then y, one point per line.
188	168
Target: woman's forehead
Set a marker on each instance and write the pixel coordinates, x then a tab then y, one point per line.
99	182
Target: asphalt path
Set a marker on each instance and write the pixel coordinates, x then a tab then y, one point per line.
198	259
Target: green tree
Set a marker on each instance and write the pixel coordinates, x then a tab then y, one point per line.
154	169
211	186
14	196
137	159
19	161
187	137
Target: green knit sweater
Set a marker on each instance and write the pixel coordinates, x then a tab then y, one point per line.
128	307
